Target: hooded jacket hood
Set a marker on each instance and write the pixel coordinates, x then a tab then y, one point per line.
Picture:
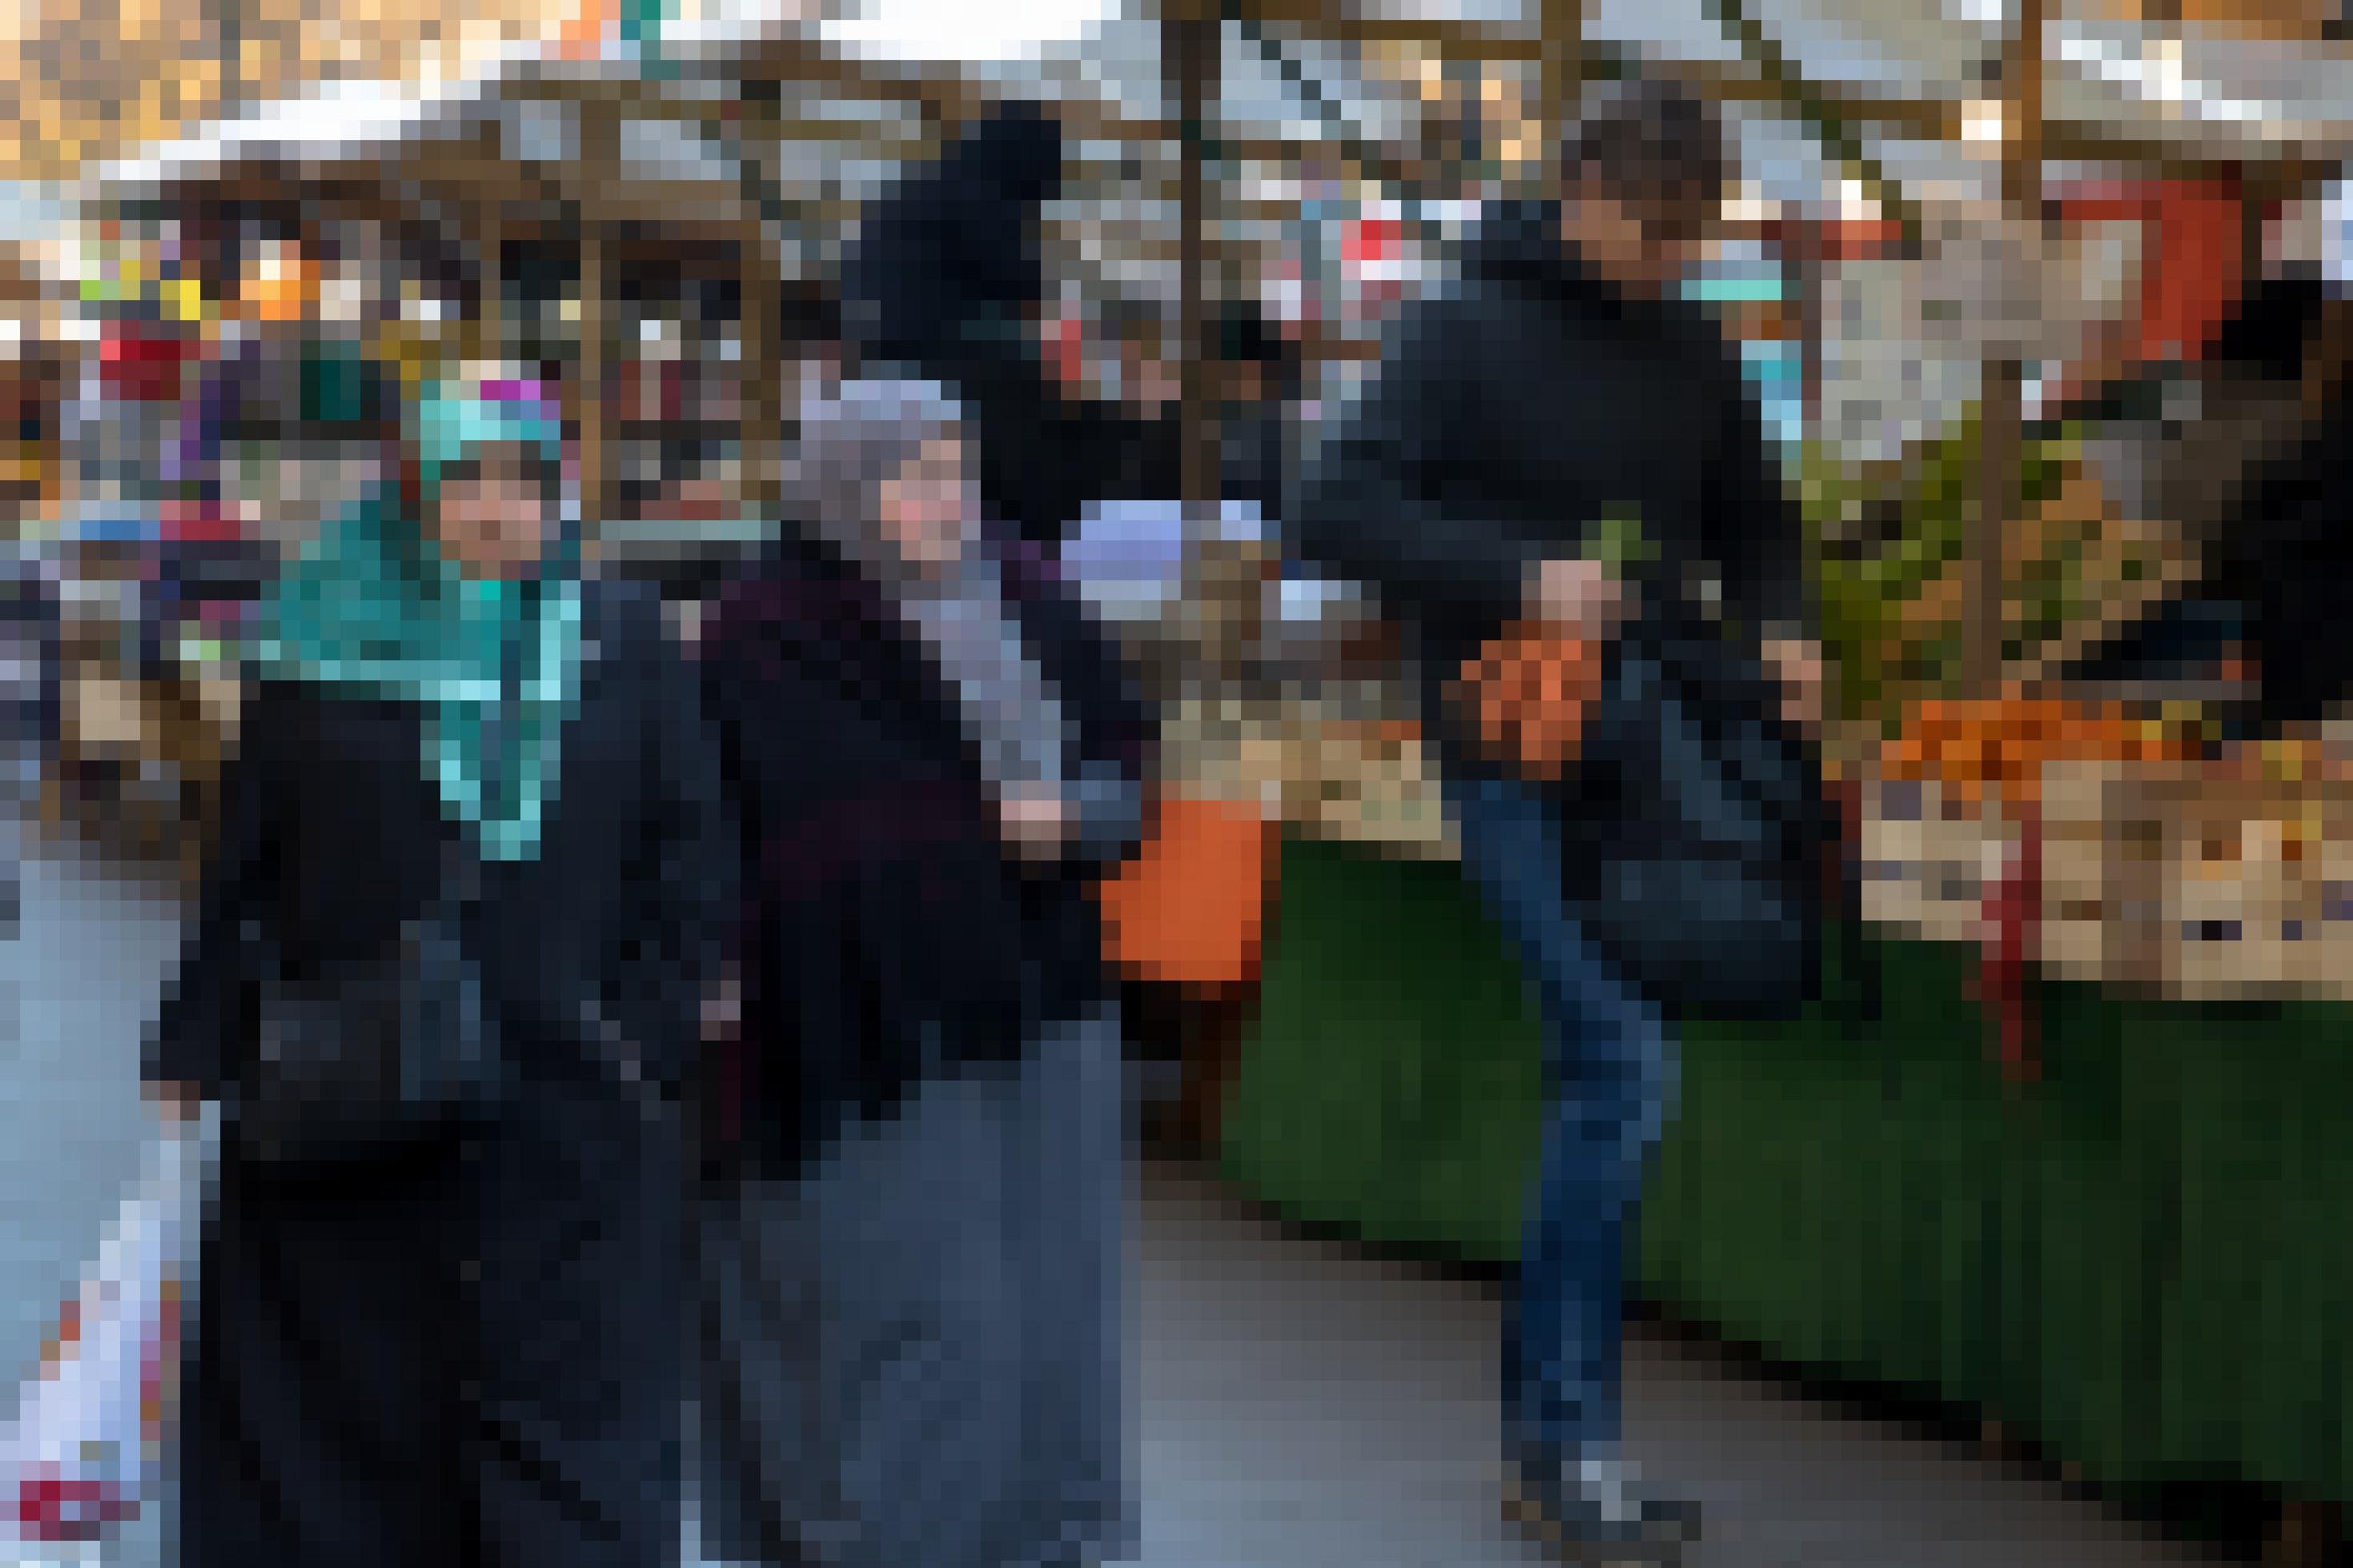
1519	245
955	246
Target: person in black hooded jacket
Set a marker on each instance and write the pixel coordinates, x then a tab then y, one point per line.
1557	391
946	283
2273	577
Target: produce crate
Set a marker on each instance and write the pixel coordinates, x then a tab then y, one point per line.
1928	860
2079	905
2229	882
2196	881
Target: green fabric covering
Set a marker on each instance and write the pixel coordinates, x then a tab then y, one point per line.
2144	1259
1382	960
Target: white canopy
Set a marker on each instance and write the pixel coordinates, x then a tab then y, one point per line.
338	122
2201	89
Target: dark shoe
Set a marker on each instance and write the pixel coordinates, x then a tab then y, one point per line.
1592	1512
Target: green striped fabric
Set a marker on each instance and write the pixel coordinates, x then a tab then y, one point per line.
2144	1259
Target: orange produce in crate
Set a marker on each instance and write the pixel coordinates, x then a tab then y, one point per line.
2006	742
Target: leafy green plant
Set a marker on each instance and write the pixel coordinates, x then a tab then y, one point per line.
1886	648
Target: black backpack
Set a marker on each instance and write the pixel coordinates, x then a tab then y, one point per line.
1700	839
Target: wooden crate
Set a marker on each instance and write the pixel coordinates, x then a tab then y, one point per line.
2226	884
2076	930
1927	862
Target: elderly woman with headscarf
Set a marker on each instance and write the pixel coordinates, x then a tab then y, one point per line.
914	1262
442	1319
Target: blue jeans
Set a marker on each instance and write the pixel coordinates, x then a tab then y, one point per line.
1608	1077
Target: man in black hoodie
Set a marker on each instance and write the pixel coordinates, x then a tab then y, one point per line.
1559	394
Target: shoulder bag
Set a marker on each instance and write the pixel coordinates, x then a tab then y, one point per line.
378	1054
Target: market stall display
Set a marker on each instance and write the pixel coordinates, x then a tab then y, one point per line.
2088	874
2078	1132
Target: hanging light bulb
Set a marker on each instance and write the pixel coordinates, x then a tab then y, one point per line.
1985	123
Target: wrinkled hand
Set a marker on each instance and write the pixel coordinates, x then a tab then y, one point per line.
1036	824
1798	665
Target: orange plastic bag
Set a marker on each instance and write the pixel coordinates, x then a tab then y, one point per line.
1190	908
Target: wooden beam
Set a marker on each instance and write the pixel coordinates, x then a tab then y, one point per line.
490	239
1563	68
600	148
2001	403
1190	38
1442	35
758	372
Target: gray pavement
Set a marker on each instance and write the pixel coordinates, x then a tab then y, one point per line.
1301	1406
1307	1406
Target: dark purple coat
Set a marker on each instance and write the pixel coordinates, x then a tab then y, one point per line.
886	934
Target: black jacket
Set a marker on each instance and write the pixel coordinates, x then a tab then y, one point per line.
886	934
2288	562
1045	456
333	838
1523	405
942	281
2287	559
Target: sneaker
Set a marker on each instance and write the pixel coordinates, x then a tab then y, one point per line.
1594	1511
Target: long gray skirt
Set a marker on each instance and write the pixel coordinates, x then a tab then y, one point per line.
915	1355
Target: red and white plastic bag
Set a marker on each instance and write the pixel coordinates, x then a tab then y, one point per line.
82	1454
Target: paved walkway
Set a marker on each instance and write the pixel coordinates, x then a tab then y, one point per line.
1305	1406
1301	1405
81	969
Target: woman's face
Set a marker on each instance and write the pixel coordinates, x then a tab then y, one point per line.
927	506
493	518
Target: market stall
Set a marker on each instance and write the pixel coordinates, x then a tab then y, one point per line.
2114	1155
2070	1171
263	293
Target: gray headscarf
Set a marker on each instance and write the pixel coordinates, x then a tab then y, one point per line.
854	439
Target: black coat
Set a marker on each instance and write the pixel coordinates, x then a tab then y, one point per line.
2286	561
886	933
942	282
469	1353
1513	413
333	838
1514	410
1045	456
2289	561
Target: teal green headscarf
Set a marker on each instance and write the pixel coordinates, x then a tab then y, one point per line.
373	606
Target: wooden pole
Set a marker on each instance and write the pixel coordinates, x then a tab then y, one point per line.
600	133
764	299
2001	408
758	369
491	236
1564	68
1189	40
1804	273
